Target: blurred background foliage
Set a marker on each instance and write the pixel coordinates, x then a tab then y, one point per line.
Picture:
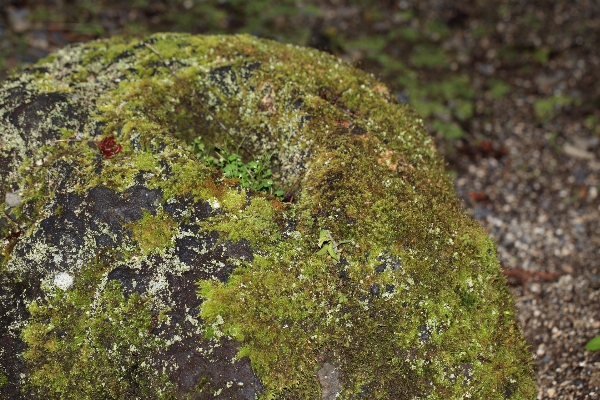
453	61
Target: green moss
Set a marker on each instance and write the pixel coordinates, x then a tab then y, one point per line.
106	51
153	232
255	223
192	179
48	59
80	75
290	310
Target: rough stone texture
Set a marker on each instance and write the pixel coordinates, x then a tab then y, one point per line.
367	279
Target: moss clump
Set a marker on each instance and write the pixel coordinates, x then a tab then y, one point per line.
153	232
407	301
256	223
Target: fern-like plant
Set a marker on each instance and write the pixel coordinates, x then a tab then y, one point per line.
254	174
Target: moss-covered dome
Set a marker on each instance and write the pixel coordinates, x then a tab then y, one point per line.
229	217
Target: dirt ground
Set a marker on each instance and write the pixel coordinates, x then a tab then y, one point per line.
509	89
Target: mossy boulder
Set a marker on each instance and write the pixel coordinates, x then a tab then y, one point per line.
132	268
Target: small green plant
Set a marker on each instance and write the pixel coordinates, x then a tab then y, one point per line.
498	89
254	175
328	245
594	344
450	130
430	56
547	108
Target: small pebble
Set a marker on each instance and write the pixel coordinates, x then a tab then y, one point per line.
541	350
375	289
13	199
18	19
576	152
535	288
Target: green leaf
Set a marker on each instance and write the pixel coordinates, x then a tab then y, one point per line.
594	344
323	250
332	252
209	333
231	170
324	236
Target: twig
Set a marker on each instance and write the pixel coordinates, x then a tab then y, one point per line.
521	276
10	219
68	140
289	193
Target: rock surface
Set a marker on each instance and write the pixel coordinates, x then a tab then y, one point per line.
132	269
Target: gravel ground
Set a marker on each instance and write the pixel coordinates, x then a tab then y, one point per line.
529	174
541	207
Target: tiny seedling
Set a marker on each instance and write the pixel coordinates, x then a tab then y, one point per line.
594	344
328	245
254	174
